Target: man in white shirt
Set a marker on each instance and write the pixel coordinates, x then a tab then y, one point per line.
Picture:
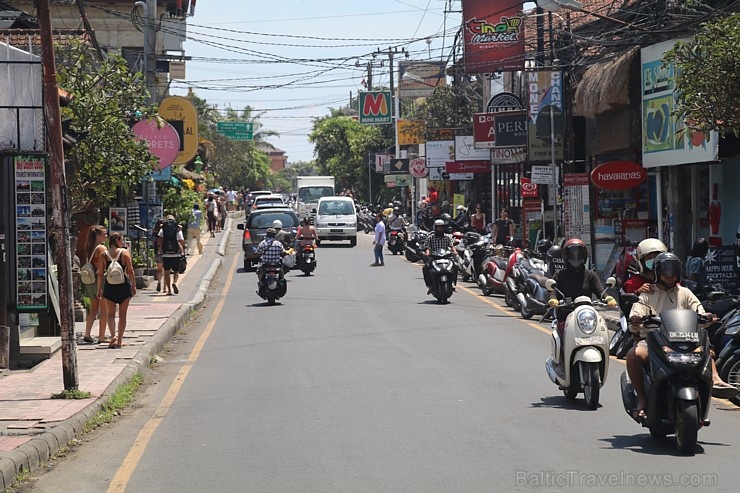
230	201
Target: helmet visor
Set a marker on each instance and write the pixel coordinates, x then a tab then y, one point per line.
670	268
576	255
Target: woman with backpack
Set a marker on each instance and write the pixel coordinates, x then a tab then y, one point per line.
115	271
94	249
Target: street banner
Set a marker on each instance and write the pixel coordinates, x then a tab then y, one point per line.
576	207
529	189
420	79
545	93
665	140
493	35
375	108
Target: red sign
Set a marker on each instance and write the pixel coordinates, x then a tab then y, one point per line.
618	175
484	134
468	166
163	142
418	167
529	189
494	35
575	179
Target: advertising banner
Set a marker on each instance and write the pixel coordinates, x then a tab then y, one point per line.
484	135
182	115
545	92
419	79
410	132
465	150
117	220
493	35
375	108
665	140
31	236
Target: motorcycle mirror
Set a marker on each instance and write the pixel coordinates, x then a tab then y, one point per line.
550	284
240	226
611	282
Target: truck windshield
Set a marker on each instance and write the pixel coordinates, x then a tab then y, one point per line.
313	194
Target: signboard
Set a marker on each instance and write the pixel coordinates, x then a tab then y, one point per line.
375	108
438	152
398	167
164	143
236	130
504	101
164	174
545	91
182	115
722	267
664	139
618	175
419	79
484	134
493	35
410	132
511	129
381	161
529	190
117	220
508	155
576	207
418	167
31	236
468	167
177	70
465	150
542	175
397	180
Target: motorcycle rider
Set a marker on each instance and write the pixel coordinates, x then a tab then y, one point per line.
667	295
280	234
462	217
646	252
397	222
440	240
306	235
271	252
575	280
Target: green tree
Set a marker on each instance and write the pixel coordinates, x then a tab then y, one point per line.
105	99
708	77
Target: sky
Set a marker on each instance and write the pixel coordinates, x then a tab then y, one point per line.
295	59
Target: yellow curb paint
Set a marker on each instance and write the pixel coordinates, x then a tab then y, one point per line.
125	471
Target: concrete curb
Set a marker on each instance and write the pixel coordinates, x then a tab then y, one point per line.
32	454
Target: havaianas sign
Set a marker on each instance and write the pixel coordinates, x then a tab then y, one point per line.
375	107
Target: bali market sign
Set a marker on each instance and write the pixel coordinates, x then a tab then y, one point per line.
493	35
164	142
618	175
529	189
453	167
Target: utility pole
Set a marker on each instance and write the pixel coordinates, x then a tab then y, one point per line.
391	52
60	223
150	49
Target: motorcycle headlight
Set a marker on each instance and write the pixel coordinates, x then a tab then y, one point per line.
732	329
693	358
587	320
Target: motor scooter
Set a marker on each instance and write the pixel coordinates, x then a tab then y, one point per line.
579	362
307	259
444	275
728	361
622	340
396	242
495	271
677	379
414	252
532	294
272	285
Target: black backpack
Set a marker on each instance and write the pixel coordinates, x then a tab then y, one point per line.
169	237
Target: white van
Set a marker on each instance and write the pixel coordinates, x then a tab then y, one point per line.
336	219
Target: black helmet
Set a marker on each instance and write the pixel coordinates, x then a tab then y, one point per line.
700	248
543	246
667	264
270	233
575	253
445	217
555	252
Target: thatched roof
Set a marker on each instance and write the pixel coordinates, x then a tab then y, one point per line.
605	86
185	173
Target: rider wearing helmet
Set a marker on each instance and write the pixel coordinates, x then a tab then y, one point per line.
646	252
543	246
280	234
461	218
667	295
437	241
396	220
388	210
575	280
554	252
271	252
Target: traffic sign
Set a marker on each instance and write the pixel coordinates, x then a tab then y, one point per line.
236	130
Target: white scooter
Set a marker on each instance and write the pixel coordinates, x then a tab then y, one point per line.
579	363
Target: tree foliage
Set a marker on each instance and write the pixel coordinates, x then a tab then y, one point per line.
106	98
449	107
708	77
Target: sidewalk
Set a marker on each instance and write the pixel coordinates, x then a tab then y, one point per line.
33	427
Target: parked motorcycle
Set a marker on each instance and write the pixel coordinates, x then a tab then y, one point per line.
495	271
413	250
532	294
272	285
580	361
444	275
727	337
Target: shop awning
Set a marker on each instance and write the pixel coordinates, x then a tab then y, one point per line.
605	86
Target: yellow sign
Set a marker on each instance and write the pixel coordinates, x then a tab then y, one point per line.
181	114
410	132
458	199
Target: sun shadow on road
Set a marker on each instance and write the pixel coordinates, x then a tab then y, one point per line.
643	443
560	402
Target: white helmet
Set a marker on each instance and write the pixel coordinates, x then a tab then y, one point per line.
645	248
439	222
277	224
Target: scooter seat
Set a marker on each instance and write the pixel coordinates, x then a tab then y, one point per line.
540	279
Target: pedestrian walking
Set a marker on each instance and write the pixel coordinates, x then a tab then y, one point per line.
172	248
157	247
211	214
379	241
94	249
196	219
116	294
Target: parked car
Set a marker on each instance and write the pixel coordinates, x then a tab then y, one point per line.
255	228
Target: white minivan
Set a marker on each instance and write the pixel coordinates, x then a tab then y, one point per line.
336	219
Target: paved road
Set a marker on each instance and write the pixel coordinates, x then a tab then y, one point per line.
357	381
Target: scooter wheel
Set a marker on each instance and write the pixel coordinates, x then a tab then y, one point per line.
686	425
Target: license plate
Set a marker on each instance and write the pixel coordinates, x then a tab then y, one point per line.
592	340
335	230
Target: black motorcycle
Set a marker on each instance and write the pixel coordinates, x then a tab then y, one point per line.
272	286
413	250
444	275
678	378
727	337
